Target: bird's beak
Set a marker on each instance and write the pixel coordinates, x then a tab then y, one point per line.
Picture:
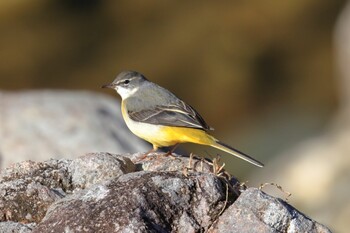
110	85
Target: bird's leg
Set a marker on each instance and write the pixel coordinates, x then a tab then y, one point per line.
155	148
170	152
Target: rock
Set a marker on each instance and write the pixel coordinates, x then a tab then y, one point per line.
15	227
64	124
98	167
52	173
162	162
255	211
27	189
140	202
103	192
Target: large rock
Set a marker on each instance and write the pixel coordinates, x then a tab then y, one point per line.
255	211
103	192
15	227
140	201
40	125
27	189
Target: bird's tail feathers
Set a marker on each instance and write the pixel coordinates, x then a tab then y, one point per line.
224	147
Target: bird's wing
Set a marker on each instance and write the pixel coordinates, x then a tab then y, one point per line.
178	115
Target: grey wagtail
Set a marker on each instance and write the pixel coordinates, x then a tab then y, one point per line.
159	117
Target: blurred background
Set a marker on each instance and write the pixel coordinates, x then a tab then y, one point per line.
269	76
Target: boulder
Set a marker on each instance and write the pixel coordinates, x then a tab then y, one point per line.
40	125
104	192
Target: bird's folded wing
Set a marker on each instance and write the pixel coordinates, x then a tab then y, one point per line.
179	115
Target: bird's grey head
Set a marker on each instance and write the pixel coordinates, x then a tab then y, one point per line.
127	82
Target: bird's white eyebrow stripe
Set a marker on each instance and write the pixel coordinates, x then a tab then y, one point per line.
123	80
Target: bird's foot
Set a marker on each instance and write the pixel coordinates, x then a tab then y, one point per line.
170	152
145	156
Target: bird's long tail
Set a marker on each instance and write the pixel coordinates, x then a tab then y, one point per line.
224	147
202	137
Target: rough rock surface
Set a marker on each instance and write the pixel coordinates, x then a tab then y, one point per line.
40	125
255	211
102	192
141	201
98	167
15	227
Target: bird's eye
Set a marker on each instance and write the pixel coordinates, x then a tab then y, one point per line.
126	81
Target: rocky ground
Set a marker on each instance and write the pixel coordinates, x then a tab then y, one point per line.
103	192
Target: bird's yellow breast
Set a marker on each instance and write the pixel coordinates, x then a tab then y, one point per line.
160	135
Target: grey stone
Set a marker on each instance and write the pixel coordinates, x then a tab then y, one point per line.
102	192
52	173
98	167
159	161
255	211
40	125
140	202
15	227
27	189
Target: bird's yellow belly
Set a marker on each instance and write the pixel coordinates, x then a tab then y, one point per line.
161	136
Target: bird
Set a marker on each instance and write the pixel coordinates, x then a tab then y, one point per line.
158	116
